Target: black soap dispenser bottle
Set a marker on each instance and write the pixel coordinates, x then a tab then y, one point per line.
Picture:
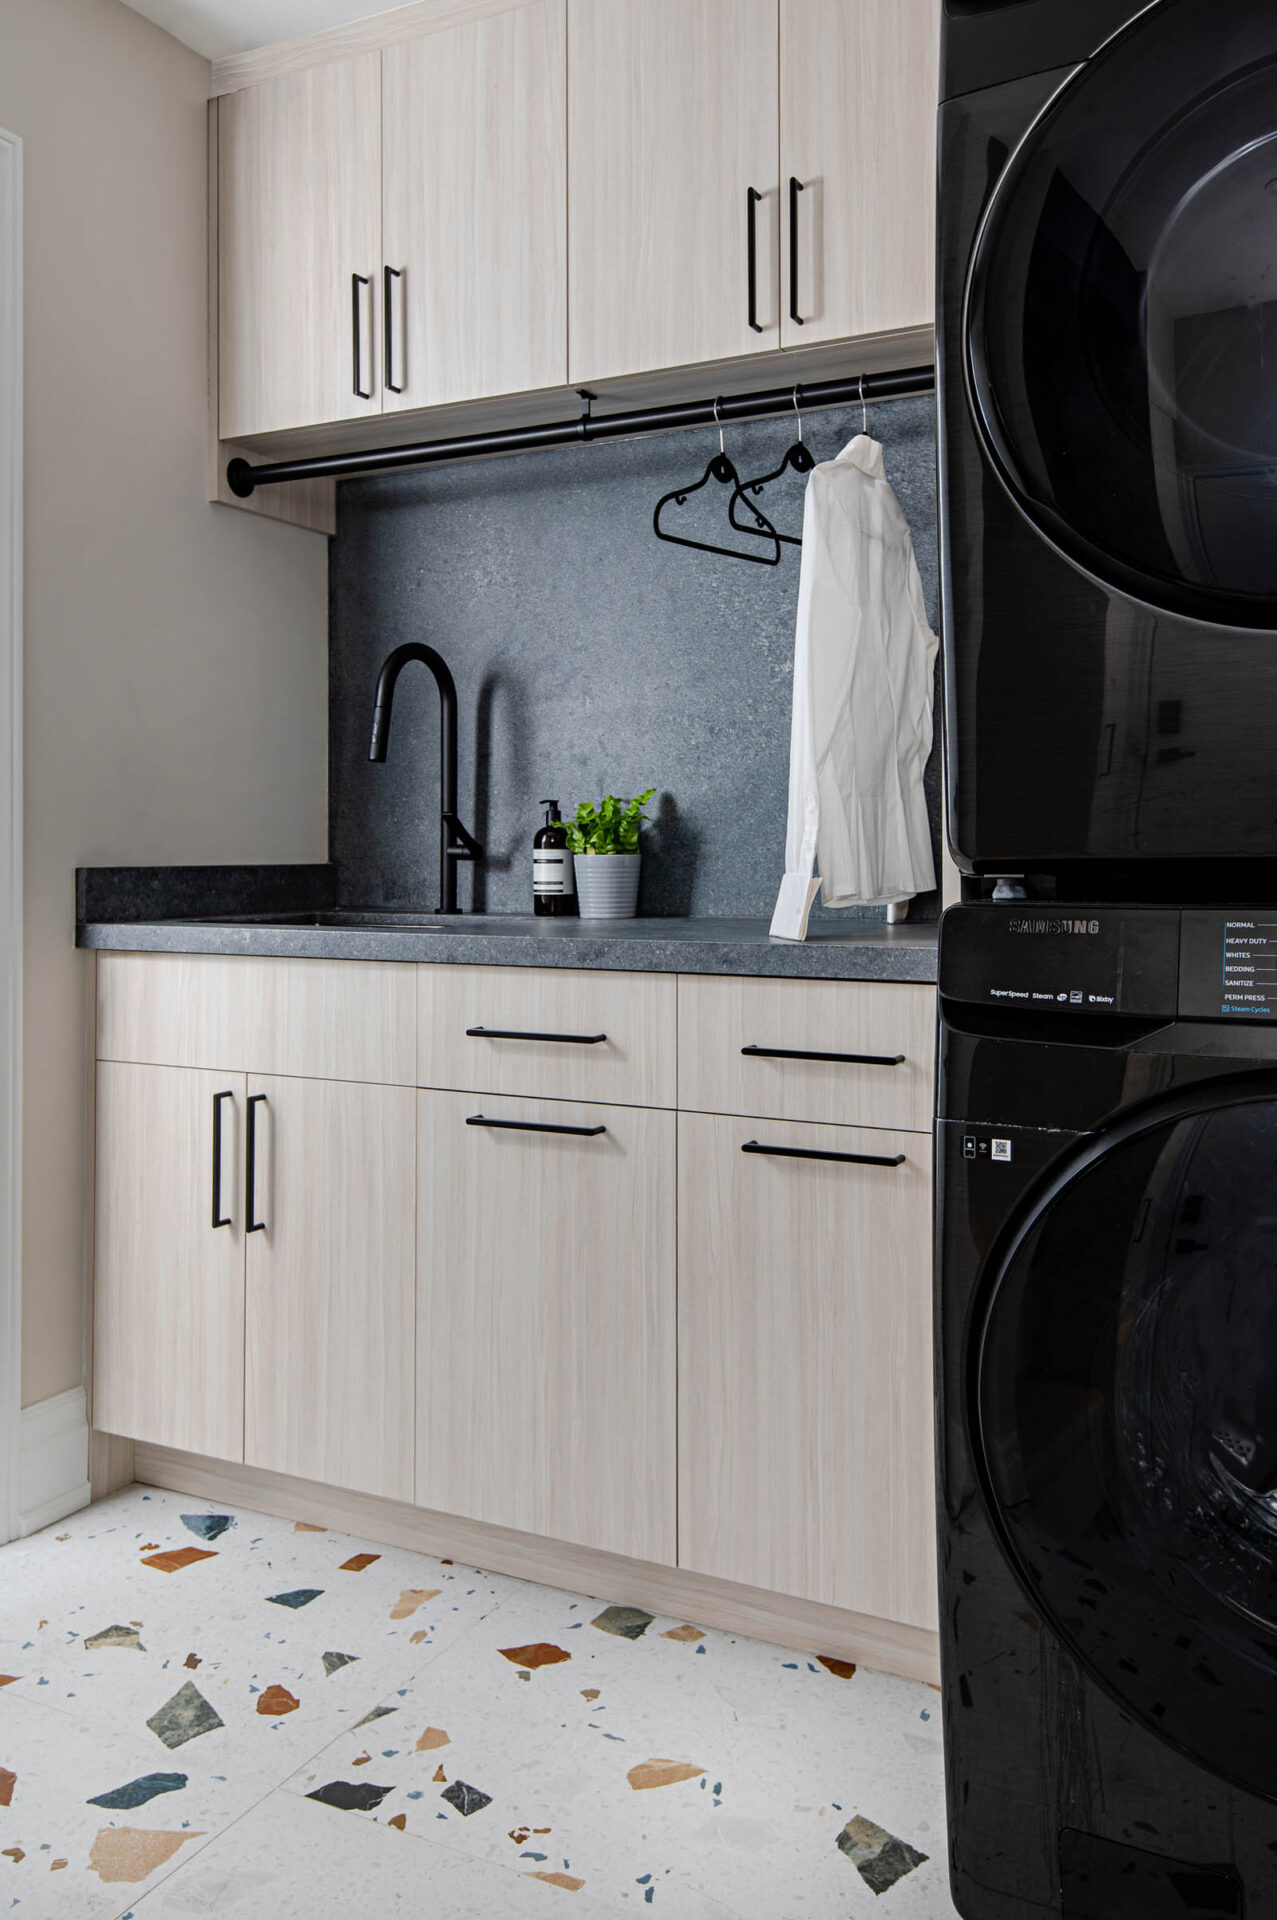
553	880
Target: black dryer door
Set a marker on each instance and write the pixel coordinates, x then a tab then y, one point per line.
1123	1401
1122	315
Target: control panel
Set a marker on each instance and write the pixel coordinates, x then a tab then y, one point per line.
1216	964
1228	965
1074	960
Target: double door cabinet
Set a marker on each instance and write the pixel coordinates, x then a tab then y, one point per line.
565	1253
568	191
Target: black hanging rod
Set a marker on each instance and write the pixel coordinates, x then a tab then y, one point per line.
242	477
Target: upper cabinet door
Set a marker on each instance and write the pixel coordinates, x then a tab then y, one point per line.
859	83
475	209
672	163
299	192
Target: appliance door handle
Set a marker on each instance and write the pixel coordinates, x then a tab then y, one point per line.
752	198
531	1126
842	1059
219	1219
815	1153
388	328
358	280
795	188
505	1033
251	1225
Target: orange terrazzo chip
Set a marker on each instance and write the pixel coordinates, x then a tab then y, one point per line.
177	1558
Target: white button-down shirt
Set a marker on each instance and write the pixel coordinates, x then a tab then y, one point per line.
864	674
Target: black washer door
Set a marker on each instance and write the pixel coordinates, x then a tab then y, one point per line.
1125	1412
1122	315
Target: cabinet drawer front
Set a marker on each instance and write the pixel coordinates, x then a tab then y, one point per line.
549	1034
805	1373
740	1043
545	1319
316	1019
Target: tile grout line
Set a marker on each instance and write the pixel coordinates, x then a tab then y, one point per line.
179	1862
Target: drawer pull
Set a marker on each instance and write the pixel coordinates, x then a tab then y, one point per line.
252	1225
843	1059
502	1033
814	1153
530	1126
219	1218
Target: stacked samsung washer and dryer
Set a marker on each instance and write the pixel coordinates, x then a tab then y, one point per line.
1107	1202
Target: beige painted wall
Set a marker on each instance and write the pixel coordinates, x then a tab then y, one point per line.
176	664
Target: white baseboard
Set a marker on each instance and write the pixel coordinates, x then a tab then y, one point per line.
53	1466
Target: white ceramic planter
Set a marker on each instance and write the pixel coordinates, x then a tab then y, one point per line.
607	885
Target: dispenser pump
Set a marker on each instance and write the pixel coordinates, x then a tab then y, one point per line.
553	869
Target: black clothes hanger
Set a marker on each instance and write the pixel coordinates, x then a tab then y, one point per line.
798	459
721	469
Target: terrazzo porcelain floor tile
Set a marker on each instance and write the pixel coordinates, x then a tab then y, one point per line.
62	1766
317	1624
452	1743
292	1860
662	1772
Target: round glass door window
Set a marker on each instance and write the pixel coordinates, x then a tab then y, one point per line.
1124	1400
1122	314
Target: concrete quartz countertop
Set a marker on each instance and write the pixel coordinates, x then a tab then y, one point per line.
518	940
294	912
273	912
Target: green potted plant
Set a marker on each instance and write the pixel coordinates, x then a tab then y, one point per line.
604	841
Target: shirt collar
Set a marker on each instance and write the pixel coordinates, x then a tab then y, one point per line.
866	454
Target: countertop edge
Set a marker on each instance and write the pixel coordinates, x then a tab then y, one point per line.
910	962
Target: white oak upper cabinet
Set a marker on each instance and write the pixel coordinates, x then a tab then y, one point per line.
672	165
545	1319
805	1418
300	258
857	147
475	208
329	1282
168	1320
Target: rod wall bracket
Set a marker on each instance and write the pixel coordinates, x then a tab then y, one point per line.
239	478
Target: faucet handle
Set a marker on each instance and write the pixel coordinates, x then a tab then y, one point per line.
467	847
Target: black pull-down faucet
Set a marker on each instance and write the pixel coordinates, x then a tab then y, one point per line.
454	842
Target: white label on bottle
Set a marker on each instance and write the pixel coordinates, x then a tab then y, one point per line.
551	871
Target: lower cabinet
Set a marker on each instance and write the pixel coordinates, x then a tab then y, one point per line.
331	1251
546	1319
168	1323
692	1338
805	1393
256	1248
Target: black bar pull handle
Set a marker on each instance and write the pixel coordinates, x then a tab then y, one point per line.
388	328
358	280
842	1059
795	188
219	1219
252	1225
530	1126
752	199
814	1153
504	1033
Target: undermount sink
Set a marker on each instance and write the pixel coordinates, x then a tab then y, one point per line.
364	919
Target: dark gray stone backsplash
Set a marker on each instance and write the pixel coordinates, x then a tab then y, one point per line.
589	658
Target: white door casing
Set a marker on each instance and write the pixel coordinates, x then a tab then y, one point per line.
10	827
